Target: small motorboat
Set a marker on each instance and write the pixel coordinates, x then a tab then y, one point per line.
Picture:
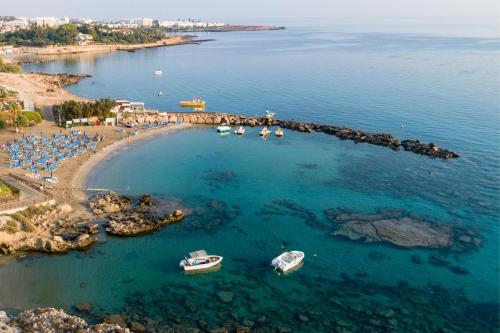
270	114
288	260
279	132
240	131
160	93
158	72
199	261
223	129
265	132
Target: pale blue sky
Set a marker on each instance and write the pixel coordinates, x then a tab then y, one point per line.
234	10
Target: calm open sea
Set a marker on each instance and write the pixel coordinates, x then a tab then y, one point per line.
254	197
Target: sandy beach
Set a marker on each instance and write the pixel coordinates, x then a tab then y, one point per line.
73	172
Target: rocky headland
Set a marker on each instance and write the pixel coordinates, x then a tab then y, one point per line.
125	219
58	80
344	133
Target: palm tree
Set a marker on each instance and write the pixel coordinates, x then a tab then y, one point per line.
15	114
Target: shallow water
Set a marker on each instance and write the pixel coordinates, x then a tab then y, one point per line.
444	89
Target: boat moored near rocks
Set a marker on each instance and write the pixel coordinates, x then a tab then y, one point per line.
223	129
200	261
265	132
240	131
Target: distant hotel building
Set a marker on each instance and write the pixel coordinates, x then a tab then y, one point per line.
49	21
142	22
186	24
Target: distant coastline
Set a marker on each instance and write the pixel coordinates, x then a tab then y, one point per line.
30	54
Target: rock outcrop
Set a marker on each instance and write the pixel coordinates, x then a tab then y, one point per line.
344	133
397	228
124	219
110	203
49	229
50	320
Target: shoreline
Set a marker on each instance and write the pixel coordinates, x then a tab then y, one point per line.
114	148
36	54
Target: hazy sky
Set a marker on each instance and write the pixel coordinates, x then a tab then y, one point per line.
250	9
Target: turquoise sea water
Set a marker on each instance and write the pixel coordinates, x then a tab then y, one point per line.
444	89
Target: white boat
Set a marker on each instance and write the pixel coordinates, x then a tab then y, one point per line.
200	260
160	93
288	260
158	72
223	129
270	114
265	132
239	131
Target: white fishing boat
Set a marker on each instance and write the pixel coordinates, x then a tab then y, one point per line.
199	261
279	132
239	131
265	132
160	93
288	260
158	72
223	129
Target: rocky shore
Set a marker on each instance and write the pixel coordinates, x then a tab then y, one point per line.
344	133
48	229
45	320
125	219
60	80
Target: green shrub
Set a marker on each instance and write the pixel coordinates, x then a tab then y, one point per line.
33	117
5	190
9	68
33	211
10	227
27	226
3	125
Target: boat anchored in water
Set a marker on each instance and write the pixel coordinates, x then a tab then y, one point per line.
265	132
288	260
279	132
223	129
239	131
197	102
158	72
199	261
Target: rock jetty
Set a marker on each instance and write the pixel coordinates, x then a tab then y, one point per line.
344	133
398	228
126	219
52	320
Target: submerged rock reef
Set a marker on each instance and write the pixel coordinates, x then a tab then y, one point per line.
125	219
309	303
49	320
398	228
344	133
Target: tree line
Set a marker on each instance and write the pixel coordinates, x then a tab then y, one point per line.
69	110
66	35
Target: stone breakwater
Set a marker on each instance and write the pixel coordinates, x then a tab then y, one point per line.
344	133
